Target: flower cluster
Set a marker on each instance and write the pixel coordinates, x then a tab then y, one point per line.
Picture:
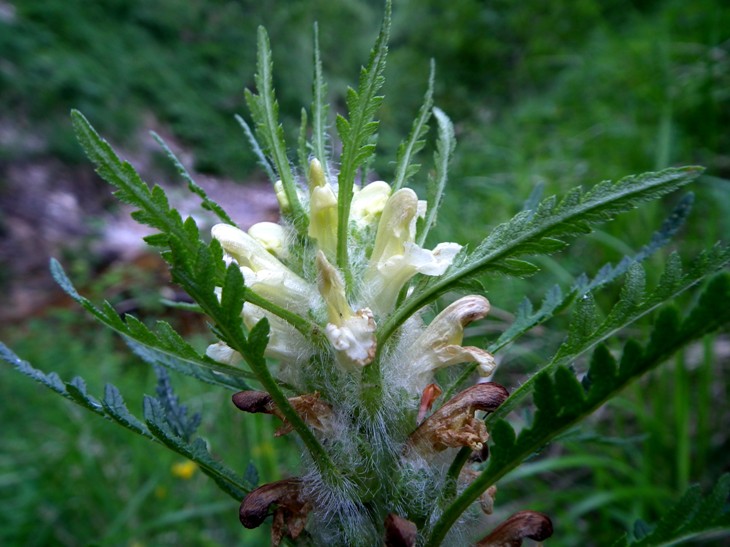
350	324
300	275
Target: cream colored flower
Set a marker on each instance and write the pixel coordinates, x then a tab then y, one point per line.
322	210
440	343
368	203
272	237
351	333
396	258
263	272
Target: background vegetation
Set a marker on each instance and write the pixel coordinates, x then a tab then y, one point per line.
548	94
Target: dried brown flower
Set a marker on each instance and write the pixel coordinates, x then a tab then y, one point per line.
290	511
525	524
454	425
312	410
399	532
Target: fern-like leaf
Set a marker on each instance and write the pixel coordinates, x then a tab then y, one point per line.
112	407
320	109
437	182
207	203
585	331
265	112
256	148
405	168
164	347
542	231
693	516
357	132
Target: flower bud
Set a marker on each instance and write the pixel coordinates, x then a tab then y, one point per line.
323	210
368	203
222	353
271	236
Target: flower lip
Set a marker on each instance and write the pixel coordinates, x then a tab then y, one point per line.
439	345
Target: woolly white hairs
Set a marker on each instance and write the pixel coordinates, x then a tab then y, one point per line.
337	518
397	374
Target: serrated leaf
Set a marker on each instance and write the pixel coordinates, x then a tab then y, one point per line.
265	112
407	150
168	350
256	147
320	109
356	132
196	451
562	403
437	183
690	517
585	331
551	221
112	408
206	202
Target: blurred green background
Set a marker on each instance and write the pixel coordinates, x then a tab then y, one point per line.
541	93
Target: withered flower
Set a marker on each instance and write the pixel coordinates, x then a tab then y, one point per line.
454	424
486	500
313	411
428	398
399	532
525	524
290	511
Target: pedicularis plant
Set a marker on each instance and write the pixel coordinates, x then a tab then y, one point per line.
319	321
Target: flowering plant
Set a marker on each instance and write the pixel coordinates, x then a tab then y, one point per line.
321	321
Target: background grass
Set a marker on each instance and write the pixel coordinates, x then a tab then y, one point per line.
552	94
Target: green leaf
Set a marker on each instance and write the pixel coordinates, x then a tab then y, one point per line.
165	347
320	110
256	147
532	232
265	113
692	517
407	150
562	402
111	408
437	183
207	203
356	133
586	331
197	450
